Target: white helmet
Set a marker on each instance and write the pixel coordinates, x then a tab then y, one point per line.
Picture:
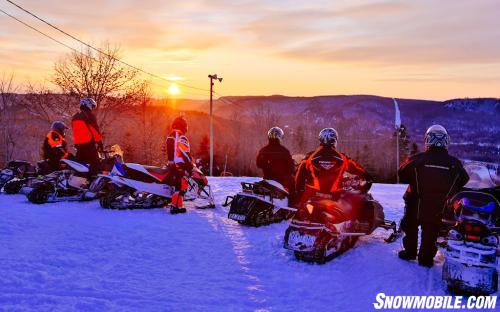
275	133
437	136
328	136
88	102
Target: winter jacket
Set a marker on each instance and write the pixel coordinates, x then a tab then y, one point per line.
276	162
322	170
179	150
433	176
54	148
85	128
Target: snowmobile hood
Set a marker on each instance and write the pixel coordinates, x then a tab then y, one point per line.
76	165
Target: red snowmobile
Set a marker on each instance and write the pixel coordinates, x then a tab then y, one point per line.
329	224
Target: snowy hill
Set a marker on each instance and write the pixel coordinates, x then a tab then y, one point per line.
77	256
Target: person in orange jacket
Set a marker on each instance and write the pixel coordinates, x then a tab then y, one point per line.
180	162
55	147
322	170
87	136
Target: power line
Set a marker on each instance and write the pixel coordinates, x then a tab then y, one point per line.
92	47
38	31
75	50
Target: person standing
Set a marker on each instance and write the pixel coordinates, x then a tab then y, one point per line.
433	176
275	160
180	162
87	136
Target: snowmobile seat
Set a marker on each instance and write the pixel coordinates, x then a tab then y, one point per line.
343	207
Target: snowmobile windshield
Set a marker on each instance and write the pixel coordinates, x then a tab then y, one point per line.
482	175
474	214
476	205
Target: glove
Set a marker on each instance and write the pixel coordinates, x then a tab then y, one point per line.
100	147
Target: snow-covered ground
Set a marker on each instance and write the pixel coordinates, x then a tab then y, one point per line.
77	256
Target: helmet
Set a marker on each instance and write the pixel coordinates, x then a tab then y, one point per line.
180	124
59	127
88	103
328	136
437	136
275	133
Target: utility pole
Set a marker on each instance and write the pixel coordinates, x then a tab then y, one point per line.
397	126
212	78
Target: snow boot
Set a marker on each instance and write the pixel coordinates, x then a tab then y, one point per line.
176	210
403	254
426	263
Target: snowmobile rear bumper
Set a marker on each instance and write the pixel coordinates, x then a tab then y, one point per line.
254	210
469	280
470	268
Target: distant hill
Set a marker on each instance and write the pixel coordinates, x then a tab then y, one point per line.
473	124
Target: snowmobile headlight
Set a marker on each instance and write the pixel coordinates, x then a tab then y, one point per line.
491	258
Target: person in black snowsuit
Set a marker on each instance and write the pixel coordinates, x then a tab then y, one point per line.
87	136
275	160
433	177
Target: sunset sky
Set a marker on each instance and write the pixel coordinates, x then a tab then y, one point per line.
412	49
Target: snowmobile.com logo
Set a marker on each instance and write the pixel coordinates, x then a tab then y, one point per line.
434	302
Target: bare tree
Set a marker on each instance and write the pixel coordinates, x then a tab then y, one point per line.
7	116
114	86
151	133
40	102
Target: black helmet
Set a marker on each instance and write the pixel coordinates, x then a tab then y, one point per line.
275	133
180	124
437	136
328	137
60	127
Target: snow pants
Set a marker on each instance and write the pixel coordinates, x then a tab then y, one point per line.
428	240
87	154
180	183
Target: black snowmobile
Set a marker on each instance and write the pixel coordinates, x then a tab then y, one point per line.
472	226
329	224
15	175
260	203
72	182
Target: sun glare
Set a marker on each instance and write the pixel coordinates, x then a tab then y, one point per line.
173	89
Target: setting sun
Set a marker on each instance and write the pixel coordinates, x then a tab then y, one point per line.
173	89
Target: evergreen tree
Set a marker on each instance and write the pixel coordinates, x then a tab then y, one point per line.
414	149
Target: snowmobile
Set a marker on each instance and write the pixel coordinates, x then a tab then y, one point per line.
15	171
327	225
23	183
473	222
259	203
135	186
72	182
